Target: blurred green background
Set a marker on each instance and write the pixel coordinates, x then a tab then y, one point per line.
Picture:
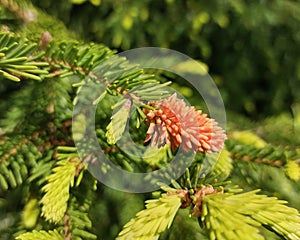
251	47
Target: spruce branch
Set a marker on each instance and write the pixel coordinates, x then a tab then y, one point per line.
158	157
57	189
40	235
42	168
150	91
18	154
156	218
216	165
120	76
238	216
118	123
223	165
18	58
74	58
77	224
269	155
51	113
243	214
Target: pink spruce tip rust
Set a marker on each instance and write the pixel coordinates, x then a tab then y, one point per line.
174	122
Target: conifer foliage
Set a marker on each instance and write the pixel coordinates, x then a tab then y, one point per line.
231	189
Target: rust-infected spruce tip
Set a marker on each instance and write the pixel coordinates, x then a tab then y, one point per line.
174	122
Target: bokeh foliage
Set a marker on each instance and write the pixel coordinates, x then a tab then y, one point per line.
251	47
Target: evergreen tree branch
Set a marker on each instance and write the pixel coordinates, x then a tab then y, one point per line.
48	109
18	154
57	189
77	220
18	58
216	165
247	146
40	235
156	218
118	123
237	216
74	58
